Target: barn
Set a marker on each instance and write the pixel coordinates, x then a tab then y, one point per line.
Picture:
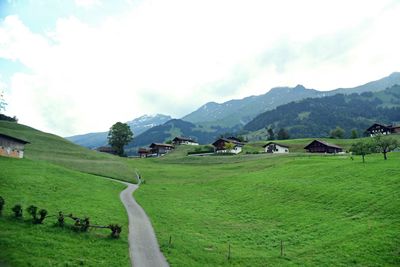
318	146
161	149
220	146
11	146
378	128
273	147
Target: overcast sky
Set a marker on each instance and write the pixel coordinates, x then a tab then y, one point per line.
72	67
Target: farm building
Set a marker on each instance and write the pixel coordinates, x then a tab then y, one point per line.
378	128
318	146
144	152
221	144
161	149
184	141
12	146
107	149
273	147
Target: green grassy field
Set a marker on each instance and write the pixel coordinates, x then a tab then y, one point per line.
54	188
327	210
54	149
55	175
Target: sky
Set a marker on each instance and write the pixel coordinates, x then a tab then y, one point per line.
77	66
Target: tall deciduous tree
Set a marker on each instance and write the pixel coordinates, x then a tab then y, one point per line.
362	149
119	135
385	144
283	134
337	133
271	134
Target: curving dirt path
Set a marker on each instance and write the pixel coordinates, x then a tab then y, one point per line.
144	250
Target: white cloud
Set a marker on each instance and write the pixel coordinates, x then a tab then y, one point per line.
87	3
172	56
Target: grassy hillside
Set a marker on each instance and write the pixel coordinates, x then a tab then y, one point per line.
55	188
54	149
327	210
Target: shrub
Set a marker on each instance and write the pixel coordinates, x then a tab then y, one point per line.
32	210
115	230
17	209
2	202
85	224
60	219
42	214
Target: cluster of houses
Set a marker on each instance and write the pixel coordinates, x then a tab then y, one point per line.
160	149
14	147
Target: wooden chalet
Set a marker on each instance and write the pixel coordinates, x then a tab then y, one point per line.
220	146
184	141
378	128
144	152
107	149
273	147
318	146
161	149
11	146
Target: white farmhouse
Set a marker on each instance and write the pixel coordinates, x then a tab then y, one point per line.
273	147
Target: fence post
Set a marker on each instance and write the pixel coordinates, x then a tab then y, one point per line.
229	251
282	248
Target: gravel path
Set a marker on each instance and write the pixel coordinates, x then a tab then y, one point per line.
144	250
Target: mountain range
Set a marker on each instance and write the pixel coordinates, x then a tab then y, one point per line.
238	112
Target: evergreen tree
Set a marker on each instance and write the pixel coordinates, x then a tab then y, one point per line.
271	134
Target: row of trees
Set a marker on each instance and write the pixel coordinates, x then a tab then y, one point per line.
378	144
282	134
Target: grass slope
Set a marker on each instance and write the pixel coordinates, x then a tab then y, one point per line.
52	148
328	210
55	188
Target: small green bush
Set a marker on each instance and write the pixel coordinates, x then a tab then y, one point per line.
17	209
42	214
32	210
115	230
2	202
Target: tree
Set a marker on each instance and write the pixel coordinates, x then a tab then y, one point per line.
271	134
283	134
229	147
362	149
354	134
337	133
3	103
385	144
119	135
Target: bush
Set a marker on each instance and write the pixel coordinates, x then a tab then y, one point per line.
115	230
2	202
17	209
42	214
60	219
32	210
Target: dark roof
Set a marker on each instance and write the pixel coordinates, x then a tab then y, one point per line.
227	140
380	124
324	143
160	144
267	144
180	138
14	138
